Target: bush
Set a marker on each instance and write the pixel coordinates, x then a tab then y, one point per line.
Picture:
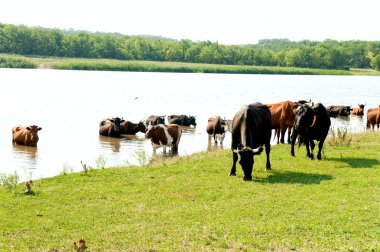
16	62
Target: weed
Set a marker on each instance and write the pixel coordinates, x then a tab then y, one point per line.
339	137
9	181
66	169
101	161
141	157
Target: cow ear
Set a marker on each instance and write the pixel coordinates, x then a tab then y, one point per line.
28	128
39	128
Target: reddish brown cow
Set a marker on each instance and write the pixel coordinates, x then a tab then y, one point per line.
373	117
283	116
26	135
129	128
358	111
162	135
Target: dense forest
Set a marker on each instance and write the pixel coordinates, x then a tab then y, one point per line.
329	54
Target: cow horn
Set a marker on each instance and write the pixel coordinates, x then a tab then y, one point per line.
257	151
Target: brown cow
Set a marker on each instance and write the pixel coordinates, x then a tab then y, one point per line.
358	111
162	135
26	135
154	120
340	110
283	116
217	128
373	117
130	128
110	127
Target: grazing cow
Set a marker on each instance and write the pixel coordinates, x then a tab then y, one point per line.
373	118
358	111
312	123
340	110
110	127
130	128
251	129
283	117
217	128
162	135
27	136
154	120
182	120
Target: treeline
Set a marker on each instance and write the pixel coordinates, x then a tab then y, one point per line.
329	54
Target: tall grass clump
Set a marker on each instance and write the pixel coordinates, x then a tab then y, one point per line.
16	62
9	181
339	136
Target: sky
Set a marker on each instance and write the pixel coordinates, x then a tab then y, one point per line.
222	21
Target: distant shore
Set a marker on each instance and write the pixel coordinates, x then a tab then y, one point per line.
18	61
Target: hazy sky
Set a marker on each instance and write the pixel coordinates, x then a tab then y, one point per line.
228	22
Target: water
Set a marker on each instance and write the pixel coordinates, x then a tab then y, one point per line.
69	105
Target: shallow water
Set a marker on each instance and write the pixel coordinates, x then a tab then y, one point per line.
69	105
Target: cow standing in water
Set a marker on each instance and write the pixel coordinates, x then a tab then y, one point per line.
339	110
154	120
217	128
164	136
251	129
27	136
373	118
110	127
312	123
182	120
358	111
130	128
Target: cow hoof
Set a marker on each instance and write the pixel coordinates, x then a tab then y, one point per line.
268	169
247	178
232	174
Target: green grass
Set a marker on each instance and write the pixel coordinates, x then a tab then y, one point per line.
8	61
191	204
157	66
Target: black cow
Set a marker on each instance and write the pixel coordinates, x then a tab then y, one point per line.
339	110
182	120
312	123
110	127
251	129
154	120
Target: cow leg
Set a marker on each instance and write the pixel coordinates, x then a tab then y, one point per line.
164	149
209	138
283	130
234	160
320	146
289	133
312	145
267	151
294	137
222	138
307	143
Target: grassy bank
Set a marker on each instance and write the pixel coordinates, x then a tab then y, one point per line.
191	204
156	66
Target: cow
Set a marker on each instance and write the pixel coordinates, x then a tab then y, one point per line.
27	136
154	120
182	120
283	116
339	110
251	129
217	128
312	123
162	135
110	127
373	118
130	128
358	111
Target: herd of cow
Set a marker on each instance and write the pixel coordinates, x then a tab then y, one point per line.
251	129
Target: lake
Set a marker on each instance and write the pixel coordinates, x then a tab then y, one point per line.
69	105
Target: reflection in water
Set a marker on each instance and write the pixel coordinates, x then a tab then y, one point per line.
111	143
212	146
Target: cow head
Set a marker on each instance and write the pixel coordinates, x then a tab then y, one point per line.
160	119
149	133
361	108
32	133
141	127
116	123
192	120
305	118
246	159
345	111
